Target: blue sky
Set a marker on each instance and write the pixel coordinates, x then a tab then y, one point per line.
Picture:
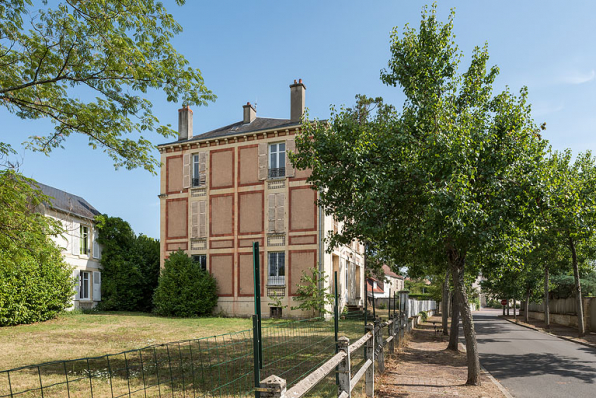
252	51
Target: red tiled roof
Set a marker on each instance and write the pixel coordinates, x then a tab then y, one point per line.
390	273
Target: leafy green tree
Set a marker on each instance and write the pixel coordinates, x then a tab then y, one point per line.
312	294
130	266
453	174
35	282
88	65
184	289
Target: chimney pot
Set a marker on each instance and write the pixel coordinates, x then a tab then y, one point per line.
185	123
297	100
250	113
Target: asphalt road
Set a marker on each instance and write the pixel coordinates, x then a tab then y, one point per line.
533	364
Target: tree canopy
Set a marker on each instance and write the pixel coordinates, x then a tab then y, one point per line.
453	175
88	65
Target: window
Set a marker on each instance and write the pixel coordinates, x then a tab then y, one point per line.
277	160
277	269
199	176
201	259
84	236
84	279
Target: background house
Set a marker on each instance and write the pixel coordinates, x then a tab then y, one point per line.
227	188
78	242
383	288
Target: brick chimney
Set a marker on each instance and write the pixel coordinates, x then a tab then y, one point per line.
184	123
297	91
250	113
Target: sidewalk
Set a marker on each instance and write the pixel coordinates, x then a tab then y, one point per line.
565	332
423	368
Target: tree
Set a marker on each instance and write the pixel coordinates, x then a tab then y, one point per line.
570	213
312	294
453	174
184	289
35	282
88	65
130	266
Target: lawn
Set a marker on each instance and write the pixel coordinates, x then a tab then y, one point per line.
216	365
78	335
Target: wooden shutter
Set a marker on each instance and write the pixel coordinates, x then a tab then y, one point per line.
271	213
76	238
186	170
290	147
202	219
76	274
194	220
96	248
202	169
263	164
279	212
96	286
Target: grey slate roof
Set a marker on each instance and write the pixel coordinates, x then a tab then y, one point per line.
239	128
68	202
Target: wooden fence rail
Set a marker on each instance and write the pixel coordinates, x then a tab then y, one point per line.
375	345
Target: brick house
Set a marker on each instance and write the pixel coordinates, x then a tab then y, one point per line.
224	189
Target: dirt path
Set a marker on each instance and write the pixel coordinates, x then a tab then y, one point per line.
423	368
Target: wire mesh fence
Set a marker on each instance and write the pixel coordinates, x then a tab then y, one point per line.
217	366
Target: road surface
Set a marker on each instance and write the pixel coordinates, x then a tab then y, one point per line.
533	364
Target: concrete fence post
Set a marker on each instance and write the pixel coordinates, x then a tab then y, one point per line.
379	346
273	387
343	369
370	354
391	331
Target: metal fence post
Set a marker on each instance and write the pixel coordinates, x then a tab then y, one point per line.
379	346
344	369
273	387
336	320
370	354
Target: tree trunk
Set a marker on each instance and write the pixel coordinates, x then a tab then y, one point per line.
546	303
514	313
457	263
527	313
445	304
508	305
581	327
454	334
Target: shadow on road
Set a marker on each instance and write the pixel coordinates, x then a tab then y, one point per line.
538	364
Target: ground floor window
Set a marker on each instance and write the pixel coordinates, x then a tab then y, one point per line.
277	269
201	259
85	279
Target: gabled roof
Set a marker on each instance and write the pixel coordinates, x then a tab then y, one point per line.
390	273
68	203
239	128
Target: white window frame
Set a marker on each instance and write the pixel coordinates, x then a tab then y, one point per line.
273	275
197	258
196	175
84	240
280	159
84	285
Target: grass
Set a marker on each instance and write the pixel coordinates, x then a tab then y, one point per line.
221	365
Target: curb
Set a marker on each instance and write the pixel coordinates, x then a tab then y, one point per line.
506	393
551	334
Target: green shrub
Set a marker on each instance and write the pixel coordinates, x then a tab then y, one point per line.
424	315
35	282
381	306
184	289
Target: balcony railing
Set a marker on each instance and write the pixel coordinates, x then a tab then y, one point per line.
279	172
276	280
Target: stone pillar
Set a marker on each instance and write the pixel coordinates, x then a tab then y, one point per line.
344	369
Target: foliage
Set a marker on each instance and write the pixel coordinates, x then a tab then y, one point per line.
563	286
381	306
184	289
130	266
35	282
451	180
87	66
424	315
275	301
311	293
